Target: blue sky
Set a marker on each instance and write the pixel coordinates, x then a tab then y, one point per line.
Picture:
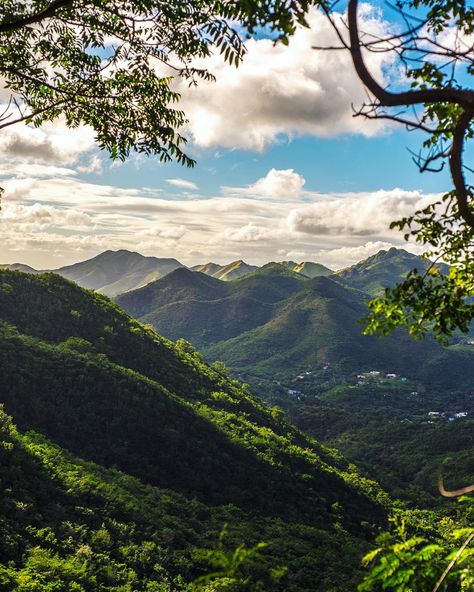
284	170
347	163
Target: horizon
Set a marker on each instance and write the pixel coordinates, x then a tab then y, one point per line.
190	265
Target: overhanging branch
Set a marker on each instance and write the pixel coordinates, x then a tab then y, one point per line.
23	21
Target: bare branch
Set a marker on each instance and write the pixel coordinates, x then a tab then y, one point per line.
456	166
454	492
459	96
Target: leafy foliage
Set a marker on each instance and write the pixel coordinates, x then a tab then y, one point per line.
111	64
82	373
402	563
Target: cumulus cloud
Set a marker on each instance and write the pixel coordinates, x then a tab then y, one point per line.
53	143
248	233
344	256
182	184
283	91
93	165
168	232
356	214
285	183
48	222
34	170
37	216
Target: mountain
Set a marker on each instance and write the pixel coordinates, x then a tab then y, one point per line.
231	271
308	268
114	272
382	270
18	267
276	322
207	268
320	324
239	268
139	440
206	310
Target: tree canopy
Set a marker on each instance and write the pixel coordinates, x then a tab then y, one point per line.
110	63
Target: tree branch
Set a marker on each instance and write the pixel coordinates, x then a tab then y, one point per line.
48	12
456	166
454	492
459	96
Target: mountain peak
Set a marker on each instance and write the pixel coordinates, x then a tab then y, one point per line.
115	272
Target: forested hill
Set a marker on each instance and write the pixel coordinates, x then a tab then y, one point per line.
276	323
383	270
78	370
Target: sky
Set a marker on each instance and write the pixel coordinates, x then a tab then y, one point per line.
284	171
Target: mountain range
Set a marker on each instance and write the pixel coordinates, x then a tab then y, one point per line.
123	453
384	270
277	322
115	272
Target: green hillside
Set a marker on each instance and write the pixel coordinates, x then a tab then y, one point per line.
277	322
320	325
71	525
382	270
79	371
205	310
400	432
114	272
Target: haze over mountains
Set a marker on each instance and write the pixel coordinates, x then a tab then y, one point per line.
271	319
115	272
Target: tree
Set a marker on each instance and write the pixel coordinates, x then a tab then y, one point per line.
110	63
435	50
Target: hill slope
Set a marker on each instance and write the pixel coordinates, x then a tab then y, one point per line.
231	271
114	272
276	322
68	524
308	268
206	310
382	270
18	267
79	371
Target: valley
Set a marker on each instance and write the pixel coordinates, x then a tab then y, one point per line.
252	404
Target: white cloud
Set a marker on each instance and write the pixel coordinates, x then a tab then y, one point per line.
292	254
48	222
169	232
284	183
248	233
35	170
281	91
52	143
18	217
345	256
93	165
356	214
182	183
